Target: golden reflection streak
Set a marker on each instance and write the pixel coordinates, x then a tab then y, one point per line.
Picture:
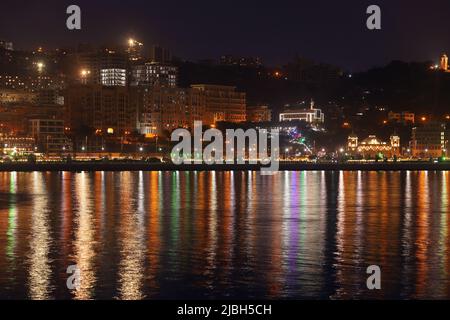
422	233
154	229
443	234
84	237
40	264
132	253
211	254
340	236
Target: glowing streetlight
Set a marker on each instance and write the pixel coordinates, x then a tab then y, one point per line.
40	66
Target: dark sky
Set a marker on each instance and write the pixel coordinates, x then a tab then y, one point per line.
332	31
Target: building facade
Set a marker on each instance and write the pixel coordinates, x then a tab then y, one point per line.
429	140
259	114
104	109
311	115
223	103
16	145
49	135
404	117
163	109
373	147
154	74
106	67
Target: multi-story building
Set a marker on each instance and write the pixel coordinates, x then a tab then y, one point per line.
259	114
223	103
404	117
113	77
230	60
429	140
49	135
165	109
311	115
49	97
135	50
16	145
154	74
31	83
11	96
107	67
104	109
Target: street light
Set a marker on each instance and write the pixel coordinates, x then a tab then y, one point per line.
40	66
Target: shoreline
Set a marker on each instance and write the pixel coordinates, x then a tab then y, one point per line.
140	166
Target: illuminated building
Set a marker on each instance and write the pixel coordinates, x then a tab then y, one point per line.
50	135
134	50
100	107
444	63
372	146
309	115
229	60
16	145
106	67
259	114
223	103
113	77
429	140
404	117
31	83
10	96
165	109
49	97
154	74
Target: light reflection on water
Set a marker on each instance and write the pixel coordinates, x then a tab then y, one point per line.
147	235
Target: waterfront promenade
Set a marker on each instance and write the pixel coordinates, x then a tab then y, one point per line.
284	166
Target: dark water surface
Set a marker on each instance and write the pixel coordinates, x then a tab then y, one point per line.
150	235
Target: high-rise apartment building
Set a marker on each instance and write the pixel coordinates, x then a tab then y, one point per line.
154	74
430	140
166	108
107	67
49	135
223	103
104	109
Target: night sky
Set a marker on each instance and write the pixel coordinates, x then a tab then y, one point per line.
329	31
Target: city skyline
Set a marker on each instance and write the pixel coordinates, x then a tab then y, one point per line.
229	150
